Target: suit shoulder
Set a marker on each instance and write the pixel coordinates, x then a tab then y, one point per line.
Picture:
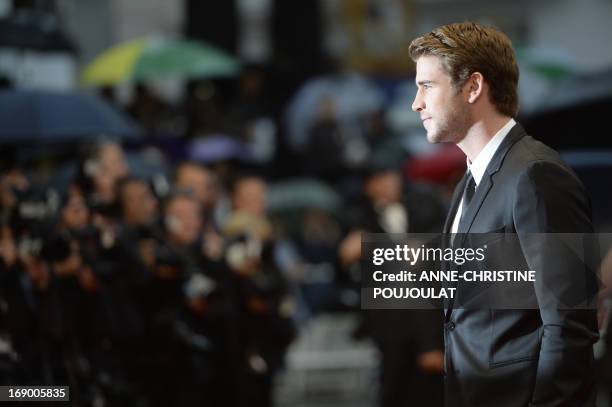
530	157
530	165
547	192
529	150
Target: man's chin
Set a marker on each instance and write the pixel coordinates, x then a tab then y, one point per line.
433	138
437	138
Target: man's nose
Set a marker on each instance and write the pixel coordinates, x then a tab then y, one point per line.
417	104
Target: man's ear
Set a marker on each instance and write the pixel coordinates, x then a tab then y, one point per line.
475	86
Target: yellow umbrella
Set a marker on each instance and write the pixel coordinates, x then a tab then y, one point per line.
154	57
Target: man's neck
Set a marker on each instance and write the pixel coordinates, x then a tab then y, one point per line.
479	134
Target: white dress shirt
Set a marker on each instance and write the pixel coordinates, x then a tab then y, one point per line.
480	163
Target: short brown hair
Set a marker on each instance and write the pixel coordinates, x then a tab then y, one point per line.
465	48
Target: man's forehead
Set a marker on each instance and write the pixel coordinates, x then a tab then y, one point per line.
428	67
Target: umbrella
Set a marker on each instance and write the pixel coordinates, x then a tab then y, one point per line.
299	194
155	57
542	68
577	89
215	148
352	94
47	117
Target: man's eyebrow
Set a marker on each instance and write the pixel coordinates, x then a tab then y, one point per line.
427	82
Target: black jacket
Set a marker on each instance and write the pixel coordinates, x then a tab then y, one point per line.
519	357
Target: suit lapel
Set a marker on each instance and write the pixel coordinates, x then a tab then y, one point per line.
486	183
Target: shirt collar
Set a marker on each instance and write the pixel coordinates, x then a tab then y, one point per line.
479	165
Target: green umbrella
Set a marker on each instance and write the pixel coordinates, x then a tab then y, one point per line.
155	57
300	194
548	63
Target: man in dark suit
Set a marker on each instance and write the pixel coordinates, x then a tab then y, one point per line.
409	341
467	94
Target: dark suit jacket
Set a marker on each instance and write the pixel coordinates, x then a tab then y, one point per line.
524	357
402	334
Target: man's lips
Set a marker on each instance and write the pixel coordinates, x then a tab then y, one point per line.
424	119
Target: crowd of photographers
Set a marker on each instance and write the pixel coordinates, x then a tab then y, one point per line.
133	300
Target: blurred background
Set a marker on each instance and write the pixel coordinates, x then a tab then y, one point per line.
184	184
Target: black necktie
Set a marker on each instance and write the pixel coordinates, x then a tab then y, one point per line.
468	194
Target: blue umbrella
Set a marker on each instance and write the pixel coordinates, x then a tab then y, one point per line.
352	94
216	148
49	117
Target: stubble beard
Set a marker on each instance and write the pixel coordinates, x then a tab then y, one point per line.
452	127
